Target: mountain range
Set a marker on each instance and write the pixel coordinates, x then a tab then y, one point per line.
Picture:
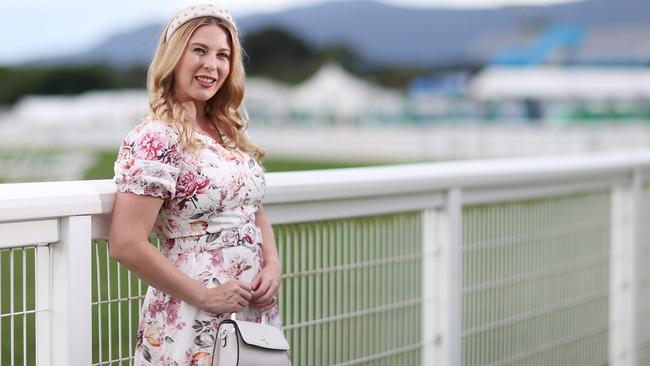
388	35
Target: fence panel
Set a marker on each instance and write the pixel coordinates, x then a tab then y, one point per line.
351	290
117	297
535	281
20	277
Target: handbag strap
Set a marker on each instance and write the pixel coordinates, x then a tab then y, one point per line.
233	316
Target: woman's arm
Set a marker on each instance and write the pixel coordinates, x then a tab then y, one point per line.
133	218
266	284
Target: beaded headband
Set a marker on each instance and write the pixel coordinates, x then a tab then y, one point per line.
198	11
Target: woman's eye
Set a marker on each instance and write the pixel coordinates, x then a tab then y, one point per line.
223	55
199	50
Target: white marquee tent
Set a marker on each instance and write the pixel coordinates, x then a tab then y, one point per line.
334	91
562	83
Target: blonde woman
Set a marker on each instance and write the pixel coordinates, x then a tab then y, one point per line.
190	173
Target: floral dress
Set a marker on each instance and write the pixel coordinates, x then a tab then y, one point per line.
206	227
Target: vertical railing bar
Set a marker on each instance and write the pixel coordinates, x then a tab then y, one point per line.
298	236
99	305
319	350
365	240
399	315
345	285
24	251
331	326
347	246
318	288
42	303
376	245
1	289
431	299
119	311
304	293
11	304
109	327
394	291
130	310
311	304
331	303
402	225
363	320
383	293
405	245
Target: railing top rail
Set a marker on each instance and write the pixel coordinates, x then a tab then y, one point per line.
23	201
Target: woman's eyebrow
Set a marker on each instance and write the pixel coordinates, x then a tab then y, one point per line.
205	46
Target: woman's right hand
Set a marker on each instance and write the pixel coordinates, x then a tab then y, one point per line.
230	297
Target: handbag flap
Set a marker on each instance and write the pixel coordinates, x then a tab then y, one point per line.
261	335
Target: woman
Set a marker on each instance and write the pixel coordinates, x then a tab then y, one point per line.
190	173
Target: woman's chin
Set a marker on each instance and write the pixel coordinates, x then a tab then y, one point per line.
204	95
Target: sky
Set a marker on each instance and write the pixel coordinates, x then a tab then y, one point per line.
36	29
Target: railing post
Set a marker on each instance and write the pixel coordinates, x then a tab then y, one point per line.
624	279
430	303
442	229
43	300
71	330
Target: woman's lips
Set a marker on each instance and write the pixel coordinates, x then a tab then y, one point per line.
205	81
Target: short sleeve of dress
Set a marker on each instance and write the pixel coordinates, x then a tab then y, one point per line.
148	161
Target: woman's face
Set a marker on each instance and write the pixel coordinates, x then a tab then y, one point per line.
204	65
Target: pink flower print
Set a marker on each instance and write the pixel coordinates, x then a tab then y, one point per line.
128	163
181	259
149	147
229	238
191	184
199	226
201	359
152	335
237	266
170	243
216	258
156	306
206	277
248	234
168	361
173	306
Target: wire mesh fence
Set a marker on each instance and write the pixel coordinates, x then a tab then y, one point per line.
20	277
535	281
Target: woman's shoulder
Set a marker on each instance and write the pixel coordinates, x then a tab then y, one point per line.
154	126
148	129
152	134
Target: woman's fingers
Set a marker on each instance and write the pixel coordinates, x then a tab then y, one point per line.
267	296
262	289
256	282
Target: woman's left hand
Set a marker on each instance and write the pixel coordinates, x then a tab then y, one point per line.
265	286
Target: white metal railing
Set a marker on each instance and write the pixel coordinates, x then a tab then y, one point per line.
526	261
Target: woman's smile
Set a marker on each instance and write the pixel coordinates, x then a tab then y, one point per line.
206	81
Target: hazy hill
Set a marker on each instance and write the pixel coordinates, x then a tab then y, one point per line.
386	34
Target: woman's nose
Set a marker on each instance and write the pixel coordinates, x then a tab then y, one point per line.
210	66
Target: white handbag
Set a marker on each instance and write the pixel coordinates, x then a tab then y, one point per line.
242	343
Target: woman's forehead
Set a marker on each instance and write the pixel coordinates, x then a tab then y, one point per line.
211	35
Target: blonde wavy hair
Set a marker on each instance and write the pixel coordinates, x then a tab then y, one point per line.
224	109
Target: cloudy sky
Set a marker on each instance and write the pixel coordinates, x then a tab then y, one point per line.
42	28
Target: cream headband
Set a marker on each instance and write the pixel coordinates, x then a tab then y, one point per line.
198	11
